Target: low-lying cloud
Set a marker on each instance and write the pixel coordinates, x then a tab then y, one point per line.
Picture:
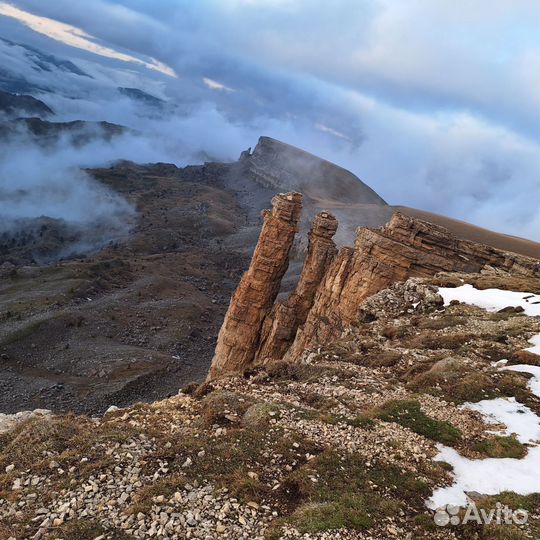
431	106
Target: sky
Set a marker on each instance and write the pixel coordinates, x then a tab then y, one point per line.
433	104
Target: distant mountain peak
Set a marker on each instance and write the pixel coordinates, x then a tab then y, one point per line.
282	166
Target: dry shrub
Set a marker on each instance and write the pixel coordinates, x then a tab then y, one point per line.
439	323
39	435
377	359
524	357
223	407
394	332
295	371
431	340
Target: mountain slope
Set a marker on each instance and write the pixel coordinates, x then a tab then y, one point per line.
14	105
344	445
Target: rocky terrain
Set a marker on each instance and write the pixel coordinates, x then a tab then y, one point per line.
337	444
146	294
15	105
136	320
360	434
332	285
137	316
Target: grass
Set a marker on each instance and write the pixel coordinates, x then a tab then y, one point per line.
529	503
439	323
222	407
227	460
78	529
295	371
433	341
350	494
143	498
350	511
461	385
513	500
361	421
409	414
41	434
501	447
64	439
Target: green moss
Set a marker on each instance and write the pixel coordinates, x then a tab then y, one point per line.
362	421
348	511
408	414
501	447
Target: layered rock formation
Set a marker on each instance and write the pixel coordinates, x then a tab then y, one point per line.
238	338
280	326
404	248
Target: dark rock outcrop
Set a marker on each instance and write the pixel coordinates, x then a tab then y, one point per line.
14	105
278	165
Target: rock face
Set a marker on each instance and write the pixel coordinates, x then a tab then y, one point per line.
328	297
405	247
238	338
278	165
280	326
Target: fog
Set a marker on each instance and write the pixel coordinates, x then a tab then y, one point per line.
447	126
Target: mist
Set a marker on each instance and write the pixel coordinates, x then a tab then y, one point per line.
435	130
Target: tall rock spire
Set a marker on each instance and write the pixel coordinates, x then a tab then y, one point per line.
280	325
239	336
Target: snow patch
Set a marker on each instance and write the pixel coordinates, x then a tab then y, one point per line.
534	383
492	299
488	476
494	475
518	418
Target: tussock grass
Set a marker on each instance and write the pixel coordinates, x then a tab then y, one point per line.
348	493
409	414
501	447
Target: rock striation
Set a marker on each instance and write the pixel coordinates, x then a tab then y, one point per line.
280	325
238	338
332	287
405	247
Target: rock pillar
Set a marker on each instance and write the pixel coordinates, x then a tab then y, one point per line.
281	324
239	336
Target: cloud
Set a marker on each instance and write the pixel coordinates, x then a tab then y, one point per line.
215	85
75	37
433	104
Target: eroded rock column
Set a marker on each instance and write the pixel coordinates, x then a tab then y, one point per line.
281	324
239	336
